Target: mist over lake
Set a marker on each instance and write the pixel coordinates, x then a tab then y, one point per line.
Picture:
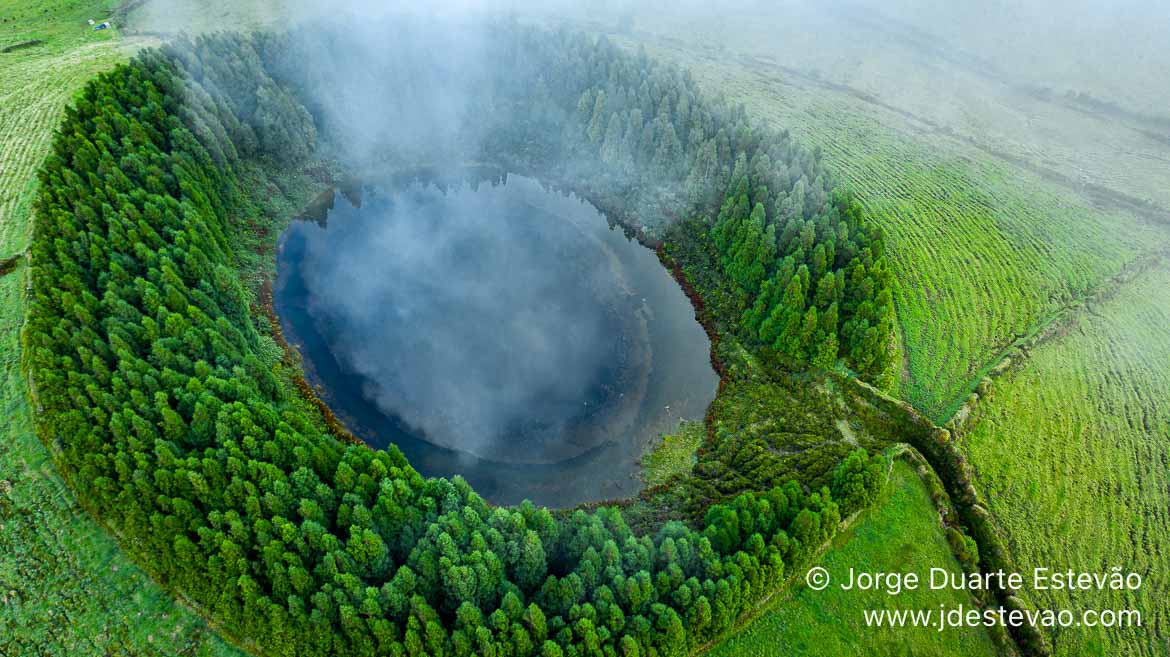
496	330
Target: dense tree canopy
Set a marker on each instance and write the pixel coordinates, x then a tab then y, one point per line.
165	414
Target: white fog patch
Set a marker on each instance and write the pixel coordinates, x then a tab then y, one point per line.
462	320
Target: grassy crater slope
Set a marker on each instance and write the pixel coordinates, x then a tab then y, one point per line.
65	588
1072	451
900	533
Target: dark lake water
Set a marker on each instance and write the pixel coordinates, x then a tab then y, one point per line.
495	330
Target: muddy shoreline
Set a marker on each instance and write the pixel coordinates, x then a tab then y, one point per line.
292	360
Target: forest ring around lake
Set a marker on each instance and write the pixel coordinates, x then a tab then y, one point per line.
172	409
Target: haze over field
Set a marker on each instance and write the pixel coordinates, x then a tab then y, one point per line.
1074	91
1114	50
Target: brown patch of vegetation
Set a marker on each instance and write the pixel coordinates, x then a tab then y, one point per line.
265	306
708	324
21	46
7	266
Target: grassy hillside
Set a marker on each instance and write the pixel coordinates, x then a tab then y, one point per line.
1072	452
975	73
1002	197
900	533
983	249
65	588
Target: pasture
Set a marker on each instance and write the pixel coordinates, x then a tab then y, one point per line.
1071	451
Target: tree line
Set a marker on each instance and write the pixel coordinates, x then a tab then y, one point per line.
809	275
159	399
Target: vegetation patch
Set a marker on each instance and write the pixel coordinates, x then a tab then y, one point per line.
8	265
674	455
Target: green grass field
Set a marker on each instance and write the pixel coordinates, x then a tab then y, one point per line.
900	533
1072	452
65	587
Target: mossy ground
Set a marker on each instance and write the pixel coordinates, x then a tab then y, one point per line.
674	455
